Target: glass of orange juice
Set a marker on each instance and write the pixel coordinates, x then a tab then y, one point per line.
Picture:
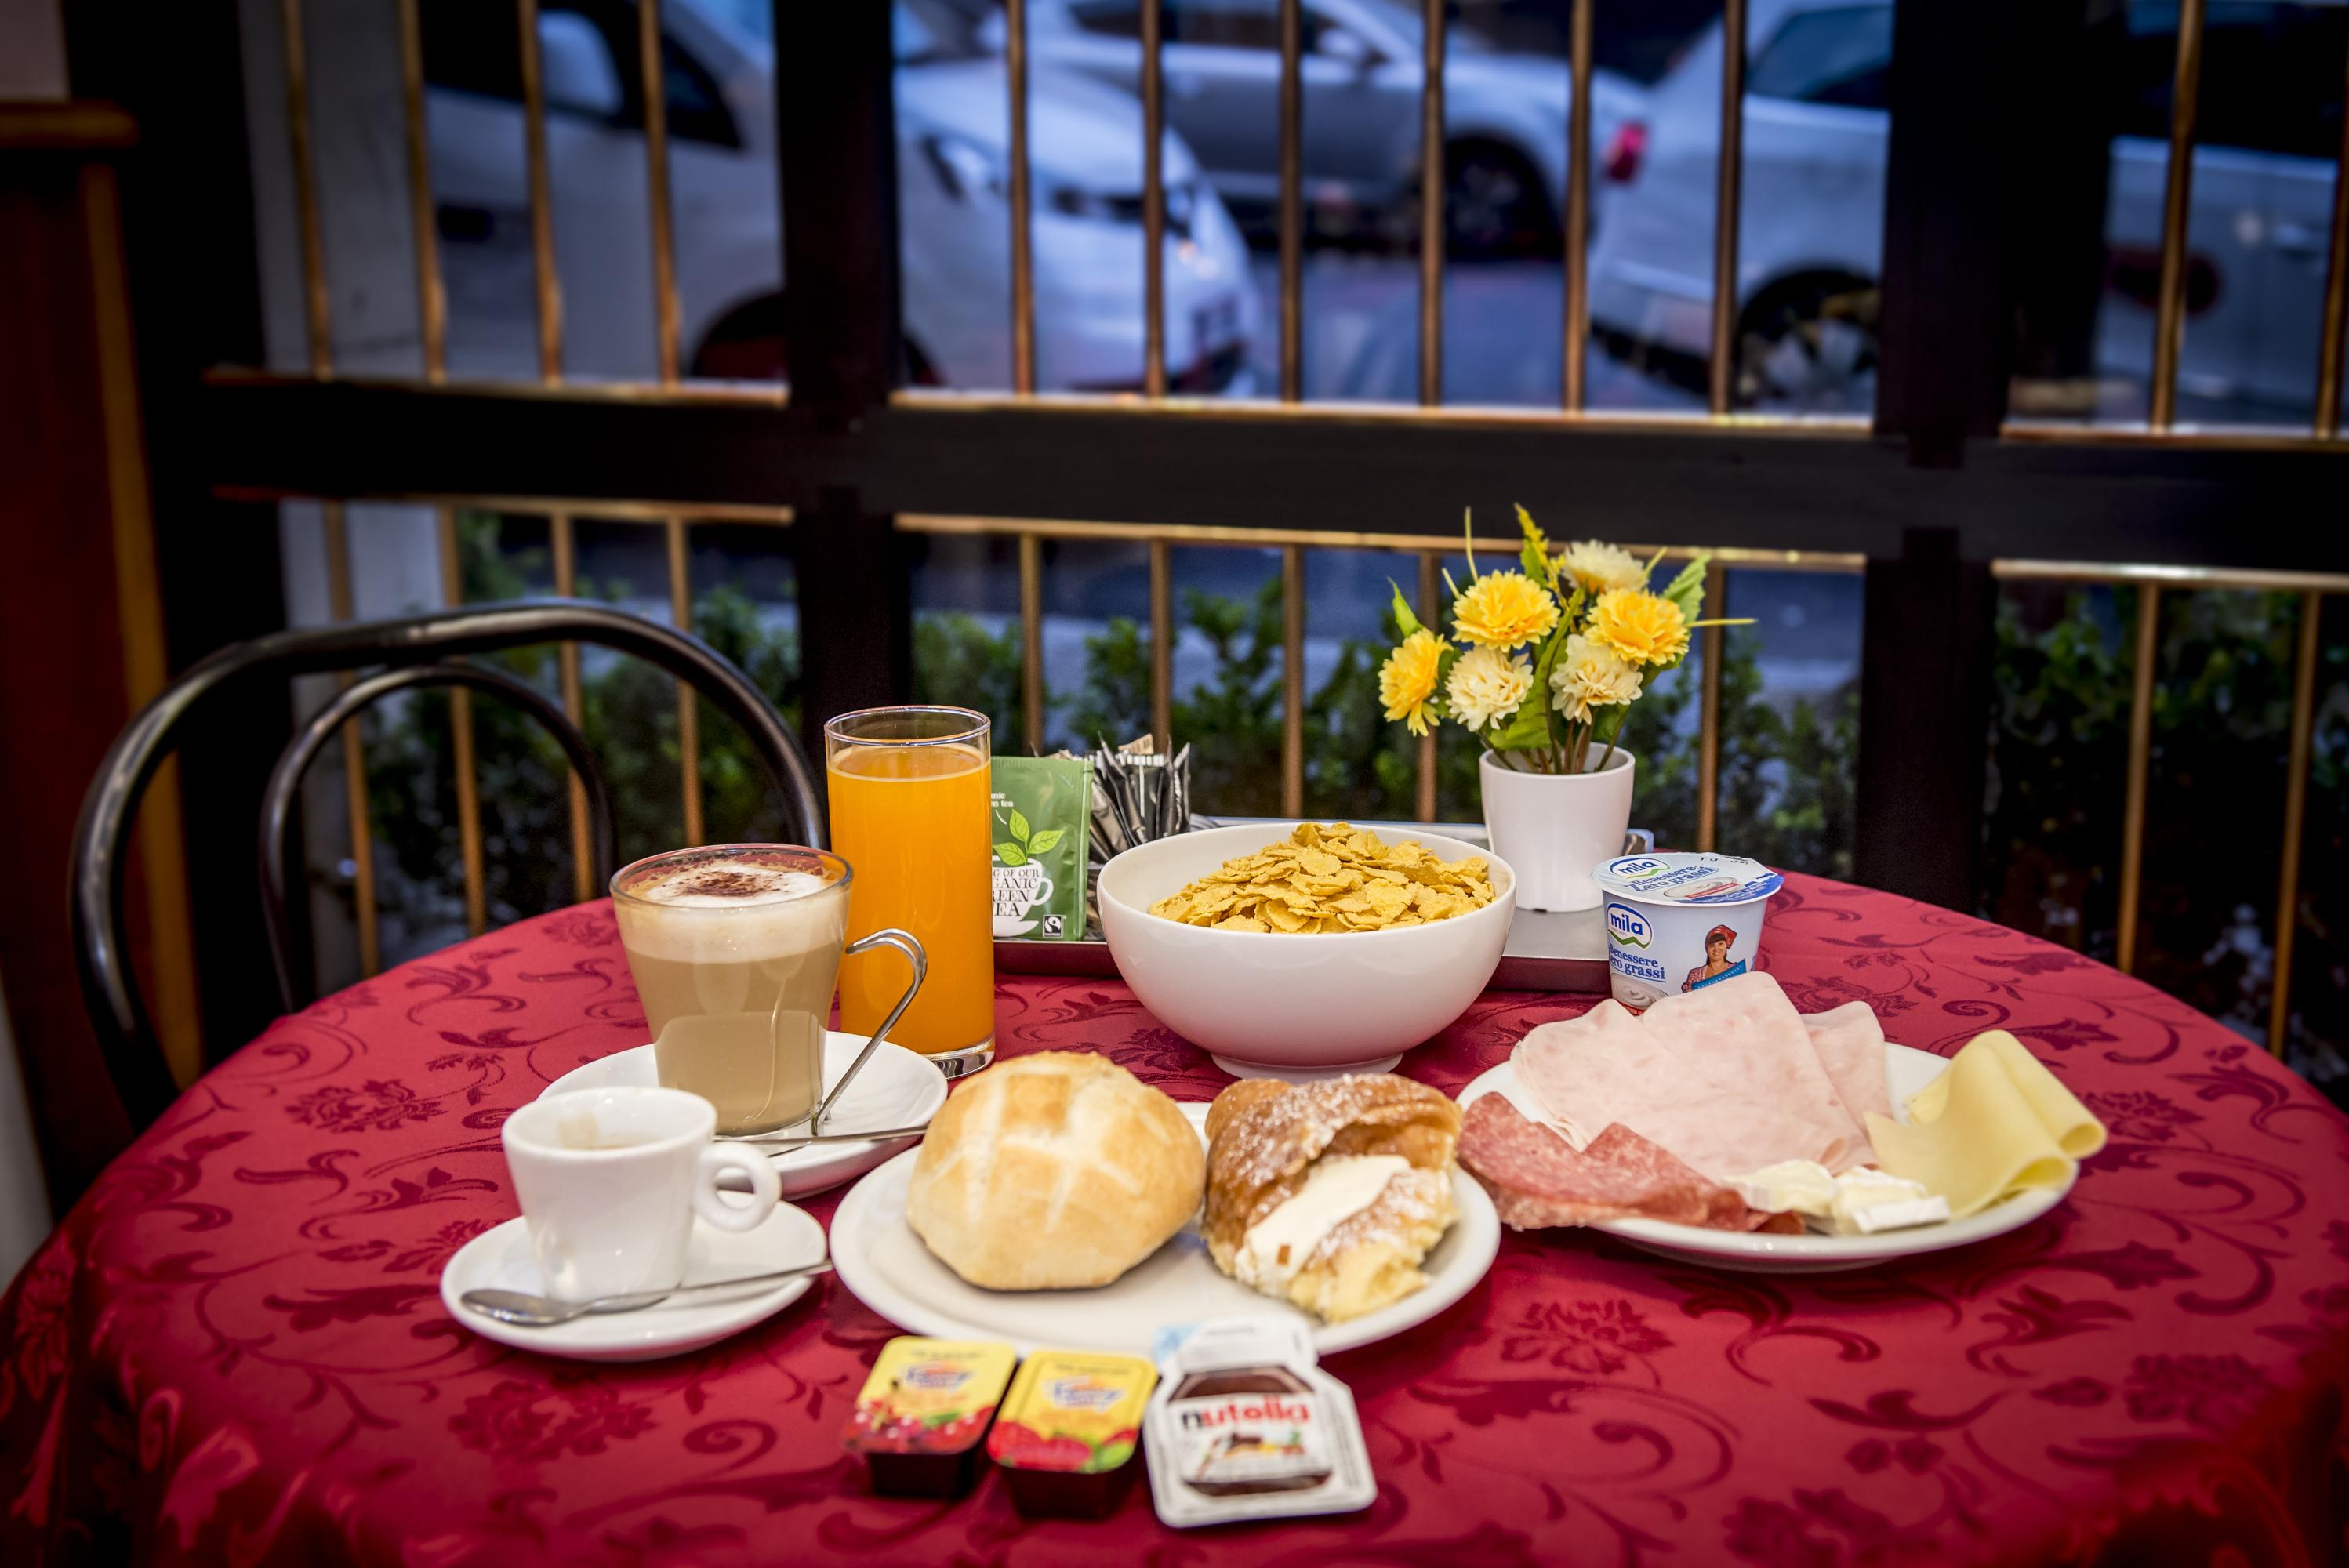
908	791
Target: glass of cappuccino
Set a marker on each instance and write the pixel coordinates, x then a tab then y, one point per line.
735	950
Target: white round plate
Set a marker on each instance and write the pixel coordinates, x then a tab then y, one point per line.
880	1259
898	1087
500	1260
1906	1071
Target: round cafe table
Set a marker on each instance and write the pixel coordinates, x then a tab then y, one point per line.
233	1349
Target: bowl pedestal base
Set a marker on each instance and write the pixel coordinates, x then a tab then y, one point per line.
1303	1075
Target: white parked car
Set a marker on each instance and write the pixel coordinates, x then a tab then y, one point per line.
1086	147
1505	114
1811	232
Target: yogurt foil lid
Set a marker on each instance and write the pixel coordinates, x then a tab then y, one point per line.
1694	877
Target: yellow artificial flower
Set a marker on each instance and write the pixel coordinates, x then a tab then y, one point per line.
1407	680
1602	568
1487	686
1639	627
1587	676
1502	610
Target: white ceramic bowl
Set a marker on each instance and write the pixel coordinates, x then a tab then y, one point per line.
1295	1006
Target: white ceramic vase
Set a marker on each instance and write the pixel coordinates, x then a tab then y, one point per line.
1553	828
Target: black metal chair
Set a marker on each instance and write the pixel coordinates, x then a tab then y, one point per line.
419	650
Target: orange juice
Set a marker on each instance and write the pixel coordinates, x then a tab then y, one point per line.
912	822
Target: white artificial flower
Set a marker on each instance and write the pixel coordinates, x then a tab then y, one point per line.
1589	676
1487	686
1598	567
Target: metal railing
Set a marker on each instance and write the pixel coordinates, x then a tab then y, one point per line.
1721	367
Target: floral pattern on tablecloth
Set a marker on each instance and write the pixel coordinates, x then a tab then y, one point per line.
234	1349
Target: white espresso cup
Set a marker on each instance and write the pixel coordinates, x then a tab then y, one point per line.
610	1183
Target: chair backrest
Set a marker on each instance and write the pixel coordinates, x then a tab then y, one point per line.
278	899
134	1059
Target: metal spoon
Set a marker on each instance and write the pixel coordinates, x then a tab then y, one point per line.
528	1311
784	1142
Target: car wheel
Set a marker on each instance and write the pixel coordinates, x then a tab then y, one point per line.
1810	347
749	345
1493	205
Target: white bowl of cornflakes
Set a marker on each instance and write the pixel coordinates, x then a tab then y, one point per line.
1347	982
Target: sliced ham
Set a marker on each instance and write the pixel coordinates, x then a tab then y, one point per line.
1538	1180
1729	1076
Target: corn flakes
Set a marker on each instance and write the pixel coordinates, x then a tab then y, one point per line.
1324	880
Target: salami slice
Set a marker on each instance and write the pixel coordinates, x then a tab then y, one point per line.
1537	1180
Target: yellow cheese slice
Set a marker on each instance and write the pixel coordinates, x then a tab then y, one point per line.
1996	1122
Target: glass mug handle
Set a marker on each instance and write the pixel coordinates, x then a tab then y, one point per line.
905	942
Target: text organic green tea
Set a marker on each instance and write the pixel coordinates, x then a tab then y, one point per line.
1042	814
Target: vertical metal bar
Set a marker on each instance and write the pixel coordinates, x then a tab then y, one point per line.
1708	733
1431	613
546	283
1574	392
1161	645
1292	681
657	200
461	724
1728	182
1292	201
2295	816
1431	206
689	702
315	299
563	539
2336	292
1032	643
1024	262
354	790
1153	203
2140	766
2170	312
431	302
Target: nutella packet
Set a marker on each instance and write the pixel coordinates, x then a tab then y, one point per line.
1040	829
1246	1425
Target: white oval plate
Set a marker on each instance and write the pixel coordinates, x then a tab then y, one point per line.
500	1259
880	1259
898	1087
1906	1071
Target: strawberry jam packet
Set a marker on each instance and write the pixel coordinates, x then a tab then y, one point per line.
923	1412
1068	1429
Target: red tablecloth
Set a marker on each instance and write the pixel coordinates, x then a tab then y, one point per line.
234	1347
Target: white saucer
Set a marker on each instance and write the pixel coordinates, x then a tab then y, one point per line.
500	1259
898	1087
1906	1071
886	1265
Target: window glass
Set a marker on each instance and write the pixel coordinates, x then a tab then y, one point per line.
1840	57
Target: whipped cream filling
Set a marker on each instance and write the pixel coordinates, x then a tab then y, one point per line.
1338	1188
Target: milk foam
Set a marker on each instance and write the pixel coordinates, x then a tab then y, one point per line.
694	914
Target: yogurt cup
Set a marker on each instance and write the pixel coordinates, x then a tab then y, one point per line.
1666	914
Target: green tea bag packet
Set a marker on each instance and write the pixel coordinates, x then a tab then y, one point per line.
1042	817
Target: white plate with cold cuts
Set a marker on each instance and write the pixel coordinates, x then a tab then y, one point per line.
1906	1071
898	1087
500	1259
886	1266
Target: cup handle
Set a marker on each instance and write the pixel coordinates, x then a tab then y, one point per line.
766	1187
905	942
1043	890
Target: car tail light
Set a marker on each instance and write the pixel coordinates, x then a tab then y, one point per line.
1625	149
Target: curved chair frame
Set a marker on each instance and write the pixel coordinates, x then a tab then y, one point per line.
278	893
117	1014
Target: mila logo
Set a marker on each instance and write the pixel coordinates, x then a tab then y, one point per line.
1628	926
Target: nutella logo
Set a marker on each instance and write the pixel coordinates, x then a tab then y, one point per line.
1269	1408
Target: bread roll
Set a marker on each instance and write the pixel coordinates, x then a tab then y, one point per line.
1053	1171
1368	1159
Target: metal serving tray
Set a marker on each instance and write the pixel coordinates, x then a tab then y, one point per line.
1545	952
